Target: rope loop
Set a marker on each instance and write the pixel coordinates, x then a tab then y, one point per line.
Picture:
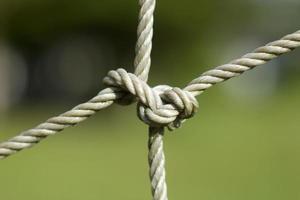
160	106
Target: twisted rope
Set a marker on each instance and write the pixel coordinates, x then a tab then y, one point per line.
143	48
156	159
166	106
104	99
159	107
56	124
142	65
237	67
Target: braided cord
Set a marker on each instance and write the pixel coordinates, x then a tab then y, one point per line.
249	61
56	124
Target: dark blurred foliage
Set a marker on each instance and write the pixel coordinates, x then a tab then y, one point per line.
189	35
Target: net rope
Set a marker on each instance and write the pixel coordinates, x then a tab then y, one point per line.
160	106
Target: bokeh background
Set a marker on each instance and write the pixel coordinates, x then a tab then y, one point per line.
243	144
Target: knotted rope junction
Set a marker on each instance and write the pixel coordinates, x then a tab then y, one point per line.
159	107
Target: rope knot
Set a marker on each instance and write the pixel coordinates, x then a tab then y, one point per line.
159	106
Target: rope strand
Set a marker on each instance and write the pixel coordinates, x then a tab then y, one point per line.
159	107
155	109
55	125
143	48
142	64
156	159
249	61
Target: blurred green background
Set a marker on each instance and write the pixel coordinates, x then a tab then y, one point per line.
243	143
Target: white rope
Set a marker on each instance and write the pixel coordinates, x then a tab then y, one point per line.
167	106
237	67
56	124
156	159
159	107
142	65
143	48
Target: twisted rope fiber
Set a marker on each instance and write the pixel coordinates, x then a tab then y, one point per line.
142	65
166	106
237	67
143	48
104	98
56	124
159	107
156	160
196	87
153	106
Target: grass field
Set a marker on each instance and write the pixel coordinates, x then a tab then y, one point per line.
229	151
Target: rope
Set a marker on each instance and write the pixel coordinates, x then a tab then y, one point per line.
143	48
157	164
160	106
56	124
237	67
142	65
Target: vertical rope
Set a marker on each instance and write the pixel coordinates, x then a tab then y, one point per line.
142	65
143	48
157	164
